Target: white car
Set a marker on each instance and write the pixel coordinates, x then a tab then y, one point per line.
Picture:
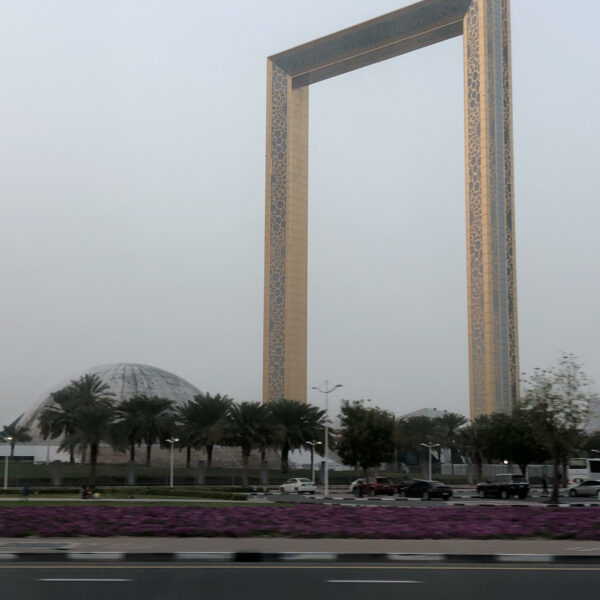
356	482
299	485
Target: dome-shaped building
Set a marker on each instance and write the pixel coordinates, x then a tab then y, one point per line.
125	381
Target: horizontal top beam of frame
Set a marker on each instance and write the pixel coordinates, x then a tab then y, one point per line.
410	28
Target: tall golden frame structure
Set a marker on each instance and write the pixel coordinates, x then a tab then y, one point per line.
491	278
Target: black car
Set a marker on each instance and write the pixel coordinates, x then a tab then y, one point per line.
400	487
422	488
504	486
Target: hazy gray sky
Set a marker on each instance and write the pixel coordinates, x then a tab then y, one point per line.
132	195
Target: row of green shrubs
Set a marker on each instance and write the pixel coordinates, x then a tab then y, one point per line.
215	493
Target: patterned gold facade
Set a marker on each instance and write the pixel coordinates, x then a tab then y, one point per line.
491	279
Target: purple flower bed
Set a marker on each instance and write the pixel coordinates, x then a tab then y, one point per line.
304	521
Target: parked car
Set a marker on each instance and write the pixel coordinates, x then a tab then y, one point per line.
591	487
402	485
356	482
299	485
380	486
426	489
504	485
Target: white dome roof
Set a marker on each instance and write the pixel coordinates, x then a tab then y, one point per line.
125	380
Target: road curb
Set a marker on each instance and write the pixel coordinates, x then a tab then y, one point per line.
289	557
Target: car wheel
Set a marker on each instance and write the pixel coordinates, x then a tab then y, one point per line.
522	496
297	490
598	494
572	493
371	492
312	491
504	494
357	492
426	496
282	490
481	493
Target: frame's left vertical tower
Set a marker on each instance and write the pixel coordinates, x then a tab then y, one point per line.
286	227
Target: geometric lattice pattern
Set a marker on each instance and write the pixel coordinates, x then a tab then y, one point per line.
492	307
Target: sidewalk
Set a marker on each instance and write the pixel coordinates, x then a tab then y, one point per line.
267	549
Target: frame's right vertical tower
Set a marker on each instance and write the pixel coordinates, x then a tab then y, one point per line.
491	275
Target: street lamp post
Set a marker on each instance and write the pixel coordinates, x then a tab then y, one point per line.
312	457
326	391
429	447
9	440
172	441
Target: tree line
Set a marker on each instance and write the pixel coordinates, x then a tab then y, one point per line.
546	424
85	414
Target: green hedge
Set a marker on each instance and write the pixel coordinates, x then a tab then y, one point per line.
215	493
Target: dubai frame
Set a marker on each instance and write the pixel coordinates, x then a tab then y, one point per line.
492	306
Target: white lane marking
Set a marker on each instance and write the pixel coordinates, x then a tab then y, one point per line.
79	579
372	581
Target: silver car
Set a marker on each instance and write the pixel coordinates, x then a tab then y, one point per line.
586	488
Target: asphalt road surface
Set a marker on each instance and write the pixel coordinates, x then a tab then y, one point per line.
176	581
346	498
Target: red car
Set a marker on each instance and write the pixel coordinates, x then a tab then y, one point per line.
380	486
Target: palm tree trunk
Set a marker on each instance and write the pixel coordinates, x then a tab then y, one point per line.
452	461
188	456
285	450
209	452
554	495
479	467
93	461
71	455
132	452
148	454
564	474
245	462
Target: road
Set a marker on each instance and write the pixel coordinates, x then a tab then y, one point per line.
344	498
116	581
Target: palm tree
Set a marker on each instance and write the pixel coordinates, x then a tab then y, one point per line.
18	434
448	426
59	419
297	424
129	422
184	417
94	425
83	413
472	441
155	416
410	433
248	425
202	423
